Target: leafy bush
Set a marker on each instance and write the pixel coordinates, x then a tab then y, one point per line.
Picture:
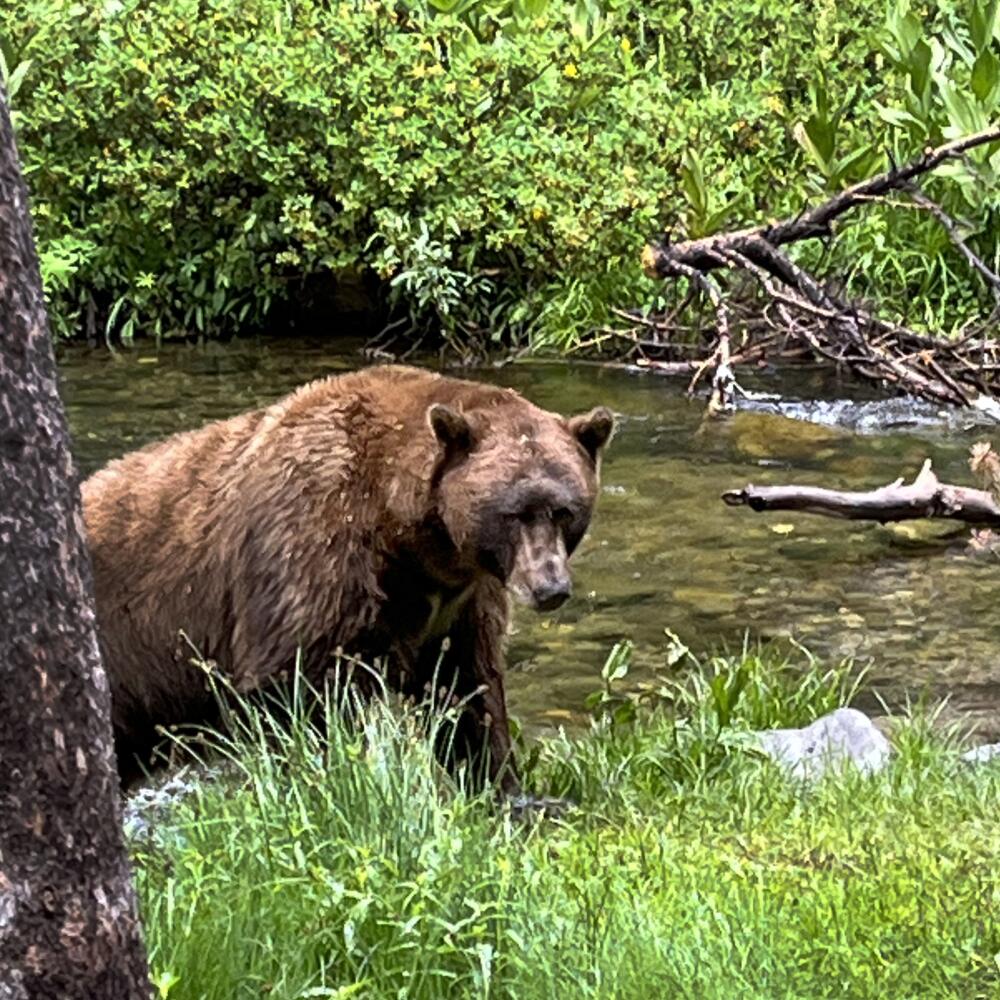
499	164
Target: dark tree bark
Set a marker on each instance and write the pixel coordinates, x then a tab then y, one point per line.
68	919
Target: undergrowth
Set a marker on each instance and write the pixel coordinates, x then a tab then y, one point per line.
486	170
333	858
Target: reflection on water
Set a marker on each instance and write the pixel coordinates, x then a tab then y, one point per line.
664	551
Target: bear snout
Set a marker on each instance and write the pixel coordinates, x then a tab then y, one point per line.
541	572
552	593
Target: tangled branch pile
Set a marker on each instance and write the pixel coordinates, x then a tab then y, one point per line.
800	314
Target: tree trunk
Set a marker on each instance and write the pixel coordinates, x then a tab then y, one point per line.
68	919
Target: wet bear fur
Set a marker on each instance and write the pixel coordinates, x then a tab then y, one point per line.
373	513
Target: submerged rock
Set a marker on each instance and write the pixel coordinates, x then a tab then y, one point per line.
844	736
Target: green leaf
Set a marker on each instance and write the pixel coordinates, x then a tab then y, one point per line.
801	135
720	699
965	115
587	21
855	166
899	117
164	983
918	67
715	221
983	23
533	8
985	73
447	6
822	135
693	184
624	714
16	77
905	27
617	664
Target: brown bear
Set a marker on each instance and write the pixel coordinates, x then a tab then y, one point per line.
372	513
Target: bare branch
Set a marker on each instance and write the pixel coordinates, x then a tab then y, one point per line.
660	260
882	351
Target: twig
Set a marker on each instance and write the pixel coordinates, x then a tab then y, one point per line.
847	333
722	380
949	225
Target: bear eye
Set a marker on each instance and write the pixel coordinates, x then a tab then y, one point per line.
562	516
527	516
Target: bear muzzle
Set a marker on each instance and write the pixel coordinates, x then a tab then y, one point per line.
551	594
541	568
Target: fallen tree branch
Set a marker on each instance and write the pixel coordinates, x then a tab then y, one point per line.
926	496
723	382
847	333
660	260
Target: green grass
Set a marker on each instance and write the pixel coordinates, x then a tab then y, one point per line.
345	864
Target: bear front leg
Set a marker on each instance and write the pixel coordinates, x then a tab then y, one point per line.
473	669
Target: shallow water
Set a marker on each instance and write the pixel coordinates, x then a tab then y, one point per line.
664	552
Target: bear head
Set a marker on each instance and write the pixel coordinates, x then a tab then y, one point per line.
515	489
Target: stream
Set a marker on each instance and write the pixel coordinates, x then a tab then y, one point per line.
910	602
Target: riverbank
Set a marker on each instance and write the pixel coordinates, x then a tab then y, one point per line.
690	866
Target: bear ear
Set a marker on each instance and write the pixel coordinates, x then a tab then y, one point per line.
450	428
593	430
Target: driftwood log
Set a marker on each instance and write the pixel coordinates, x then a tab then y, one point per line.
809	313
925	497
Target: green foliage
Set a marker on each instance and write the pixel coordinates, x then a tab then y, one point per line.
943	61
498	162
334	859
761	687
819	136
12	73
705	711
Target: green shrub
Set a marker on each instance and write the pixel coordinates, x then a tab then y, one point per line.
495	164
499	166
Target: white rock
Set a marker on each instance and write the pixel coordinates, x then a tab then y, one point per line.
844	736
987	405
982	755
147	809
